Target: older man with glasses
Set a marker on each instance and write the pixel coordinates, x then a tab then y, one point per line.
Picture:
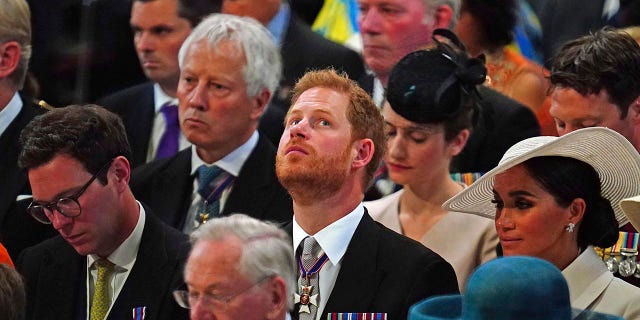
113	259
239	268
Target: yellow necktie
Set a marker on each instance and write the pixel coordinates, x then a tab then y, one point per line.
101	302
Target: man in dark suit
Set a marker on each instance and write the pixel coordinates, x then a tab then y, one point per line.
113	257
331	147
17	230
387	38
223	92
159	29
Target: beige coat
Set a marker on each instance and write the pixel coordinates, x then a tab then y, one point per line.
464	240
593	287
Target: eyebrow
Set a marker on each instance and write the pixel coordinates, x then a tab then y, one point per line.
413	127
59	195
514	193
297	112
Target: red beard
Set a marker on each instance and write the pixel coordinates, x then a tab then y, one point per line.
312	177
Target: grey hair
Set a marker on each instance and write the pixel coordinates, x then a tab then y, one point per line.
263	67
12	294
15	25
432	5
267	250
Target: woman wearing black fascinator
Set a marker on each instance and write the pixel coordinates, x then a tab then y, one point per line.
432	104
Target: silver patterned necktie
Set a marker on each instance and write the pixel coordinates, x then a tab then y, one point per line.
310	262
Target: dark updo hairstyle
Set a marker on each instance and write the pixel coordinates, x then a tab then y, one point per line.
438	86
570	179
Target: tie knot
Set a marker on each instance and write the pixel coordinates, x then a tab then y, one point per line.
310	251
206	177
104	264
170	113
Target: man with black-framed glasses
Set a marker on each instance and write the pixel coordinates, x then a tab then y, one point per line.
113	258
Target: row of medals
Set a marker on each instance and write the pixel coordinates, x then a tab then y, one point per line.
627	266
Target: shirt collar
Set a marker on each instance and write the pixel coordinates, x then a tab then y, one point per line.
160	98
10	112
232	162
334	238
125	255
278	25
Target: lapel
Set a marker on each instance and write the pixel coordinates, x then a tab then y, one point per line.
139	123
290	50
65	270
147	280
14	181
358	280
252	189
172	188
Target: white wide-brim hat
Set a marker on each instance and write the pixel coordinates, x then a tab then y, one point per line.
609	153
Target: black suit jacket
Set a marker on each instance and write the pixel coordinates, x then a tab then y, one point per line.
55	277
383	271
502	123
17	229
303	50
167	185
136	107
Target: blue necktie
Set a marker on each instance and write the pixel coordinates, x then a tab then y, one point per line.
169	142
211	182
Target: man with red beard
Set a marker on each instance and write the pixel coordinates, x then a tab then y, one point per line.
332	144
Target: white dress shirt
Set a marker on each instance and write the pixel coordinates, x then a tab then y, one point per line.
160	98
231	163
124	257
334	240
10	112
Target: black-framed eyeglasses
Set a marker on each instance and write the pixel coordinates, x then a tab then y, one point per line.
188	299
67	206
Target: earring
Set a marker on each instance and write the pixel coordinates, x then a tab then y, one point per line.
570	227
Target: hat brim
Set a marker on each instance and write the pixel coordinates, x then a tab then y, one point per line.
631	207
449	307
437	308
609	153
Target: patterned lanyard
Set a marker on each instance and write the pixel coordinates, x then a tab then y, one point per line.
215	194
306	274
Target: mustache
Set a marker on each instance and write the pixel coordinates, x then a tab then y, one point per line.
299	142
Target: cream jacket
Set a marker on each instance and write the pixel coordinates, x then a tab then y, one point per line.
593	287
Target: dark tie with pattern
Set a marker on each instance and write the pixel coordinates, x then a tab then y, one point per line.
212	180
170	140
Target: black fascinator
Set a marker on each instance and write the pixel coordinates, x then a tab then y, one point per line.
435	85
